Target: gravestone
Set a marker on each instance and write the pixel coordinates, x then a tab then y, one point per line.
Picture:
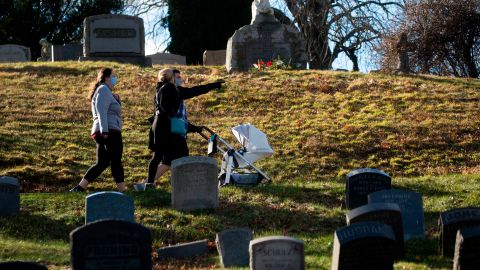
232	246
11	53
109	205
111	244
359	183
387	213
67	52
9	196
17	265
183	251
277	252
194	183
467	249
114	37
214	58
452	221
411	206
364	245
167	59
264	39
45	51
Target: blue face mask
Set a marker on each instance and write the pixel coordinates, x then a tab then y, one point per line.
178	82
113	80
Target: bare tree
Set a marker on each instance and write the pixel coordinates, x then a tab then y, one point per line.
444	38
155	13
331	27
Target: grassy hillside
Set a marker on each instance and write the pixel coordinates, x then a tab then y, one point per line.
422	130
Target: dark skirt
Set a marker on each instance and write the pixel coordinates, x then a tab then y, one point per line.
166	145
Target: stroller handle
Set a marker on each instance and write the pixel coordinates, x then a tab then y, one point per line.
208	130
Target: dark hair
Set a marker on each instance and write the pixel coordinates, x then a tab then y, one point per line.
175	71
102	75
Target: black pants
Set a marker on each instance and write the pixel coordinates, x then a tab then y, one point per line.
109	152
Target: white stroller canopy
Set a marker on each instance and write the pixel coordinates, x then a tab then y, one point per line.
254	141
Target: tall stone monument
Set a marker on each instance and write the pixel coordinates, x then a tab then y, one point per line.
114	37
264	39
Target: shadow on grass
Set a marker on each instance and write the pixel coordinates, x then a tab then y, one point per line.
29	227
151	198
298	194
426	252
43	71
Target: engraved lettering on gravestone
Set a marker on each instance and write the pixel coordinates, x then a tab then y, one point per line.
115	33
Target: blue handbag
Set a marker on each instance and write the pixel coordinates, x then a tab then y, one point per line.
178	126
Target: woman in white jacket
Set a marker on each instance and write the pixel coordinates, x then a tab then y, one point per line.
106	130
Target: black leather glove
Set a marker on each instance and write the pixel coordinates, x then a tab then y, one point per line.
216	85
193	128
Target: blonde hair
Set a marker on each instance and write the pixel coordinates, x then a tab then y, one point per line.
165	75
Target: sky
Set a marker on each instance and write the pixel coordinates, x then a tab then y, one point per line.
159	44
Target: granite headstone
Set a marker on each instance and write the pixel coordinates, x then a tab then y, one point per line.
9	196
453	220
232	246
387	213
264	39
167	59
109	205
114	37
214	58
111	244
277	253
411	206
183	251
467	249
194	183
18	265
67	52
364	245
359	183
11	53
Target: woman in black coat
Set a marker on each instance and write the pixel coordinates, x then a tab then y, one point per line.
169	102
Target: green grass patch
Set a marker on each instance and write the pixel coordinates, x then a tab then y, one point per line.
422	130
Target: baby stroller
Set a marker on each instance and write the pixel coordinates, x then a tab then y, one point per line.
237	165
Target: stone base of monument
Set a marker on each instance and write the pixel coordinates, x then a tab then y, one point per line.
136	60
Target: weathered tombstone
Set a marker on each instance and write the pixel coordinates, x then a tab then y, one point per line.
277	253
9	196
45	51
66	52
232	246
452	221
11	53
467	249
411	206
114	37
364	245
167	59
264	39
359	183
109	205
214	58
17	265
387	213
111	244
183	251
194	183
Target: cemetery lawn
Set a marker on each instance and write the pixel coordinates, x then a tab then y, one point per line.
421	130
